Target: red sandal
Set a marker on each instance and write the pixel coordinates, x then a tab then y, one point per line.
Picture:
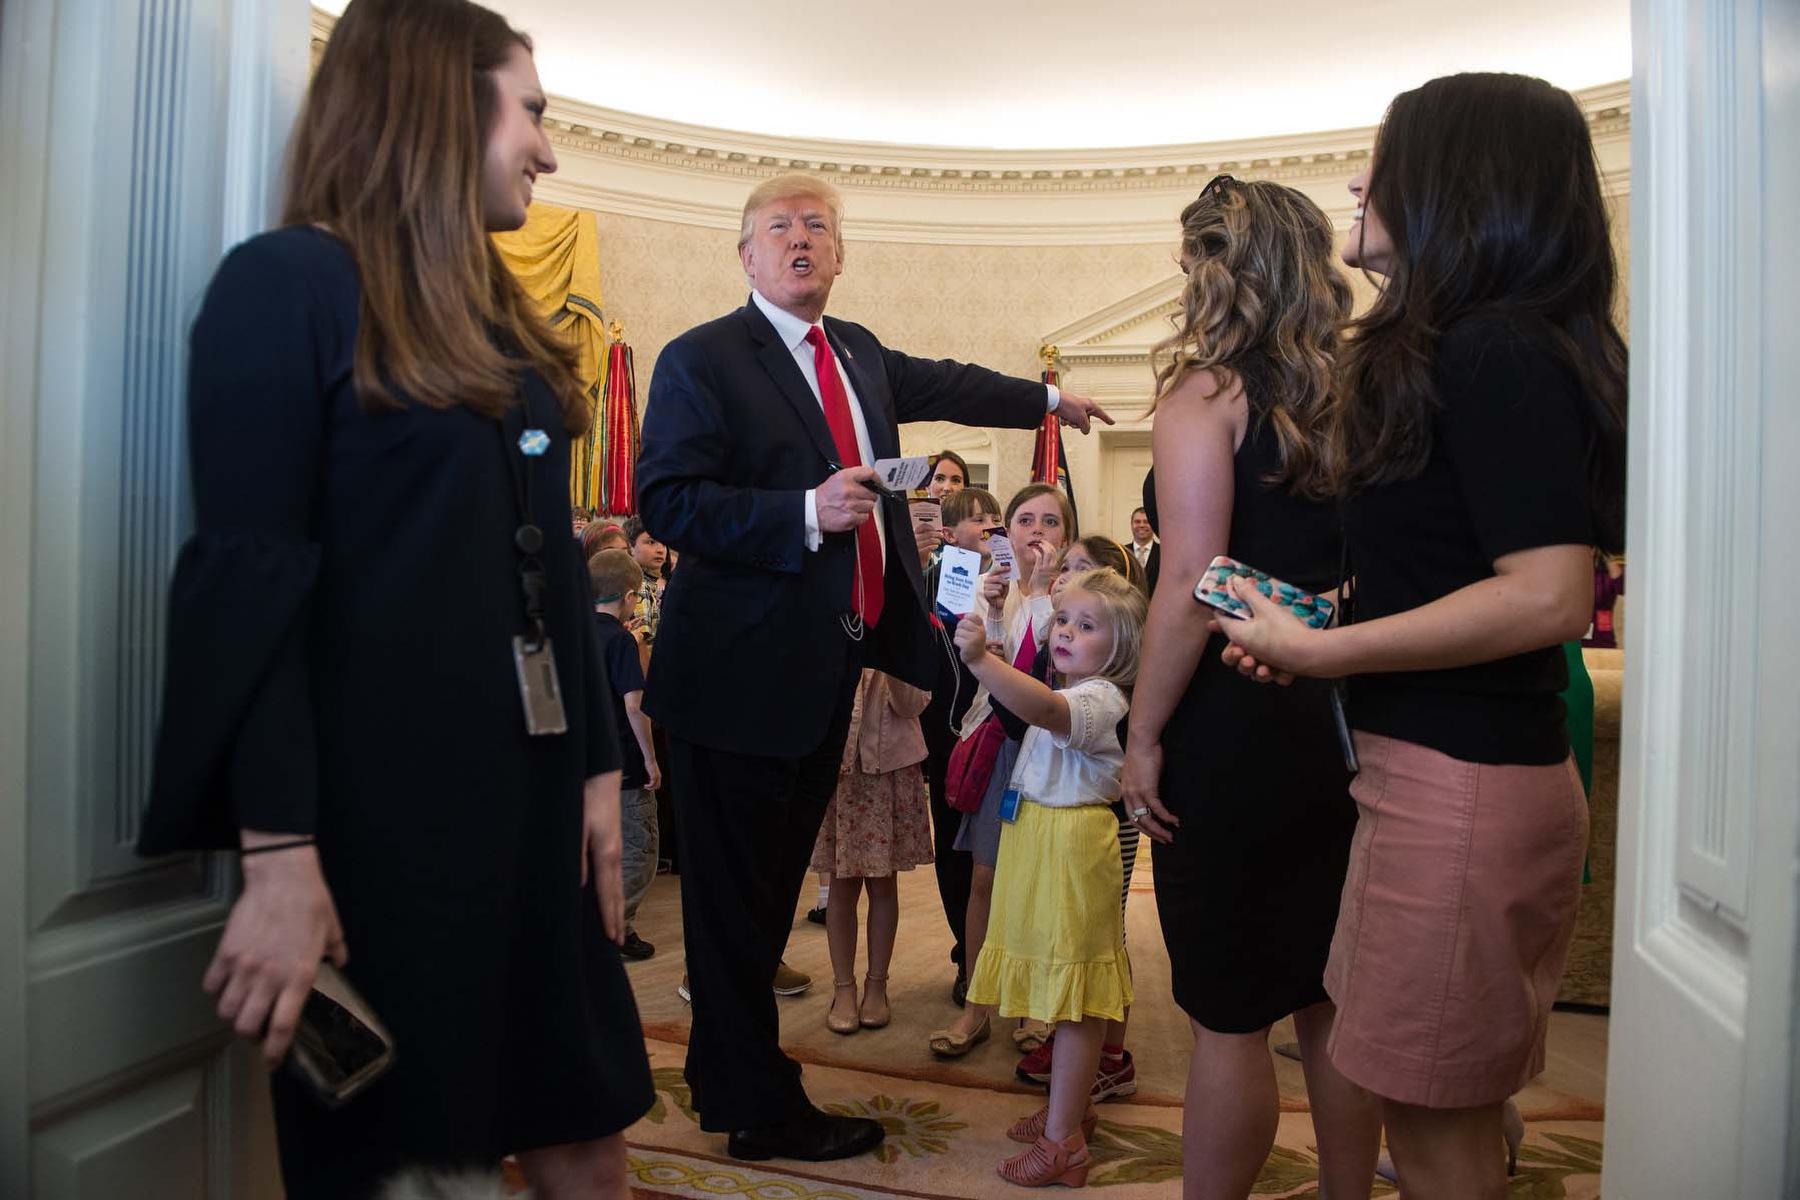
1030	1129
1046	1162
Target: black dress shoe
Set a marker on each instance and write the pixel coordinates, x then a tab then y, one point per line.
816	915
812	1137
636	948
959	991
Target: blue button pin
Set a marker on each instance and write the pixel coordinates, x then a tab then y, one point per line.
533	443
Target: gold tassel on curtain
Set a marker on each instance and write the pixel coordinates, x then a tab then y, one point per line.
556	257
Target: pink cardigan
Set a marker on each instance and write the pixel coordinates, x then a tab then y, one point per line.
891	739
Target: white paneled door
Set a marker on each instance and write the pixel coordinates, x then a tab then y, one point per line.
138	140
1122	483
1702	1068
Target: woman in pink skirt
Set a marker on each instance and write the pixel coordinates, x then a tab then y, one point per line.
1478	452
879	823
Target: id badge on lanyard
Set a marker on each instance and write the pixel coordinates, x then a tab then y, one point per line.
533	657
538	687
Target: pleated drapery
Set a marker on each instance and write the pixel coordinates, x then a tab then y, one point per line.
556	258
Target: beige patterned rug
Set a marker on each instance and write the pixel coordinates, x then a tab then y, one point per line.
946	1120
943	1141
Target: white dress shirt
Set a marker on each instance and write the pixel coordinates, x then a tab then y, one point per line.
792	331
1143	552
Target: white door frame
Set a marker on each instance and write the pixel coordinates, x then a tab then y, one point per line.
1701	1071
140	138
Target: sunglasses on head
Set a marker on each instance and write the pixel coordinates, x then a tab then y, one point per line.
1216	185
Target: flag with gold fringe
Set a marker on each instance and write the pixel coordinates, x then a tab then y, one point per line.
614	436
1049	462
555	256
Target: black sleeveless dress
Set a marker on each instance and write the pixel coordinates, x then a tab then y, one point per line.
1248	891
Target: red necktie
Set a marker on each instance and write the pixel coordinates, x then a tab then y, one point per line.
867	595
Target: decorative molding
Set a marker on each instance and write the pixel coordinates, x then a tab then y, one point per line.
1083	338
861	227
1294	158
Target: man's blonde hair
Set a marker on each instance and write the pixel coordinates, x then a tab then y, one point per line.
793	187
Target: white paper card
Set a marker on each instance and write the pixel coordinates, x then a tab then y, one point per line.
959	573
999	547
904	474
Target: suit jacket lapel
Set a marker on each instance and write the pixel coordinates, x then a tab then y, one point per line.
778	361
884	437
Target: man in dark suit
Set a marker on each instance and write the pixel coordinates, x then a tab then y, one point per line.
793	578
1145	547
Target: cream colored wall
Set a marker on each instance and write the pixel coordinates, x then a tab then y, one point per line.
985	304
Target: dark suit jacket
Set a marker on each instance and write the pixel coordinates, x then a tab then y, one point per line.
1152	564
751	655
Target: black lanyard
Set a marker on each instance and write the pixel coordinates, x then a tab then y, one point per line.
528	539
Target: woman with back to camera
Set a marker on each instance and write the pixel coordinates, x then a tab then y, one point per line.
1245	789
1478	446
380	434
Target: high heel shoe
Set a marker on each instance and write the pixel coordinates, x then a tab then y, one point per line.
879	1020
1046	1162
1030	1129
1512	1127
835	1023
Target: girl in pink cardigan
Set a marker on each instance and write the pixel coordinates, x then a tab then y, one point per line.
879	823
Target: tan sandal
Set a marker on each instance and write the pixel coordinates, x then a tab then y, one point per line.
1046	1162
1030	1129
1030	1034
835	1023
945	1044
887	1014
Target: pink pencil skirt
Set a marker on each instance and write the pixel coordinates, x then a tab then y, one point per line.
1455	925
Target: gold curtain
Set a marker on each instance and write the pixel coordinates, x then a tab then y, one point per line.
556	257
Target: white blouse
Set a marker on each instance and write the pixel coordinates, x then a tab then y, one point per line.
1085	767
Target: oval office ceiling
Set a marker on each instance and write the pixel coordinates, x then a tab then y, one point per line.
1034	74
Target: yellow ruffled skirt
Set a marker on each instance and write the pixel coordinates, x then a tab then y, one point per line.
1055	947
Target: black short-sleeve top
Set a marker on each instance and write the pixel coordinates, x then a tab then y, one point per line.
1507	472
625	675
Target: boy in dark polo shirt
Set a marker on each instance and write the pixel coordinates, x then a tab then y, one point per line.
618	581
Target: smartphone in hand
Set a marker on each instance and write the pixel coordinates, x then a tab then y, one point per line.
1316	611
340	1046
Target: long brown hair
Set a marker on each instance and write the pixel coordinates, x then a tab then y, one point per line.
1488	186
387	156
1262	280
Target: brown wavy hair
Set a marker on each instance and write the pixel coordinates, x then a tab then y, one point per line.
387	156
1262	279
1489	188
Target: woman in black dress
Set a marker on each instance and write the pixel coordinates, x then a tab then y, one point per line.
368	387
1244	788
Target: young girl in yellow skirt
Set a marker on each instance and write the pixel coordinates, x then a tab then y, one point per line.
1055	947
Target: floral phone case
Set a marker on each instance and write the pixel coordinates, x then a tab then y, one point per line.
1316	611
